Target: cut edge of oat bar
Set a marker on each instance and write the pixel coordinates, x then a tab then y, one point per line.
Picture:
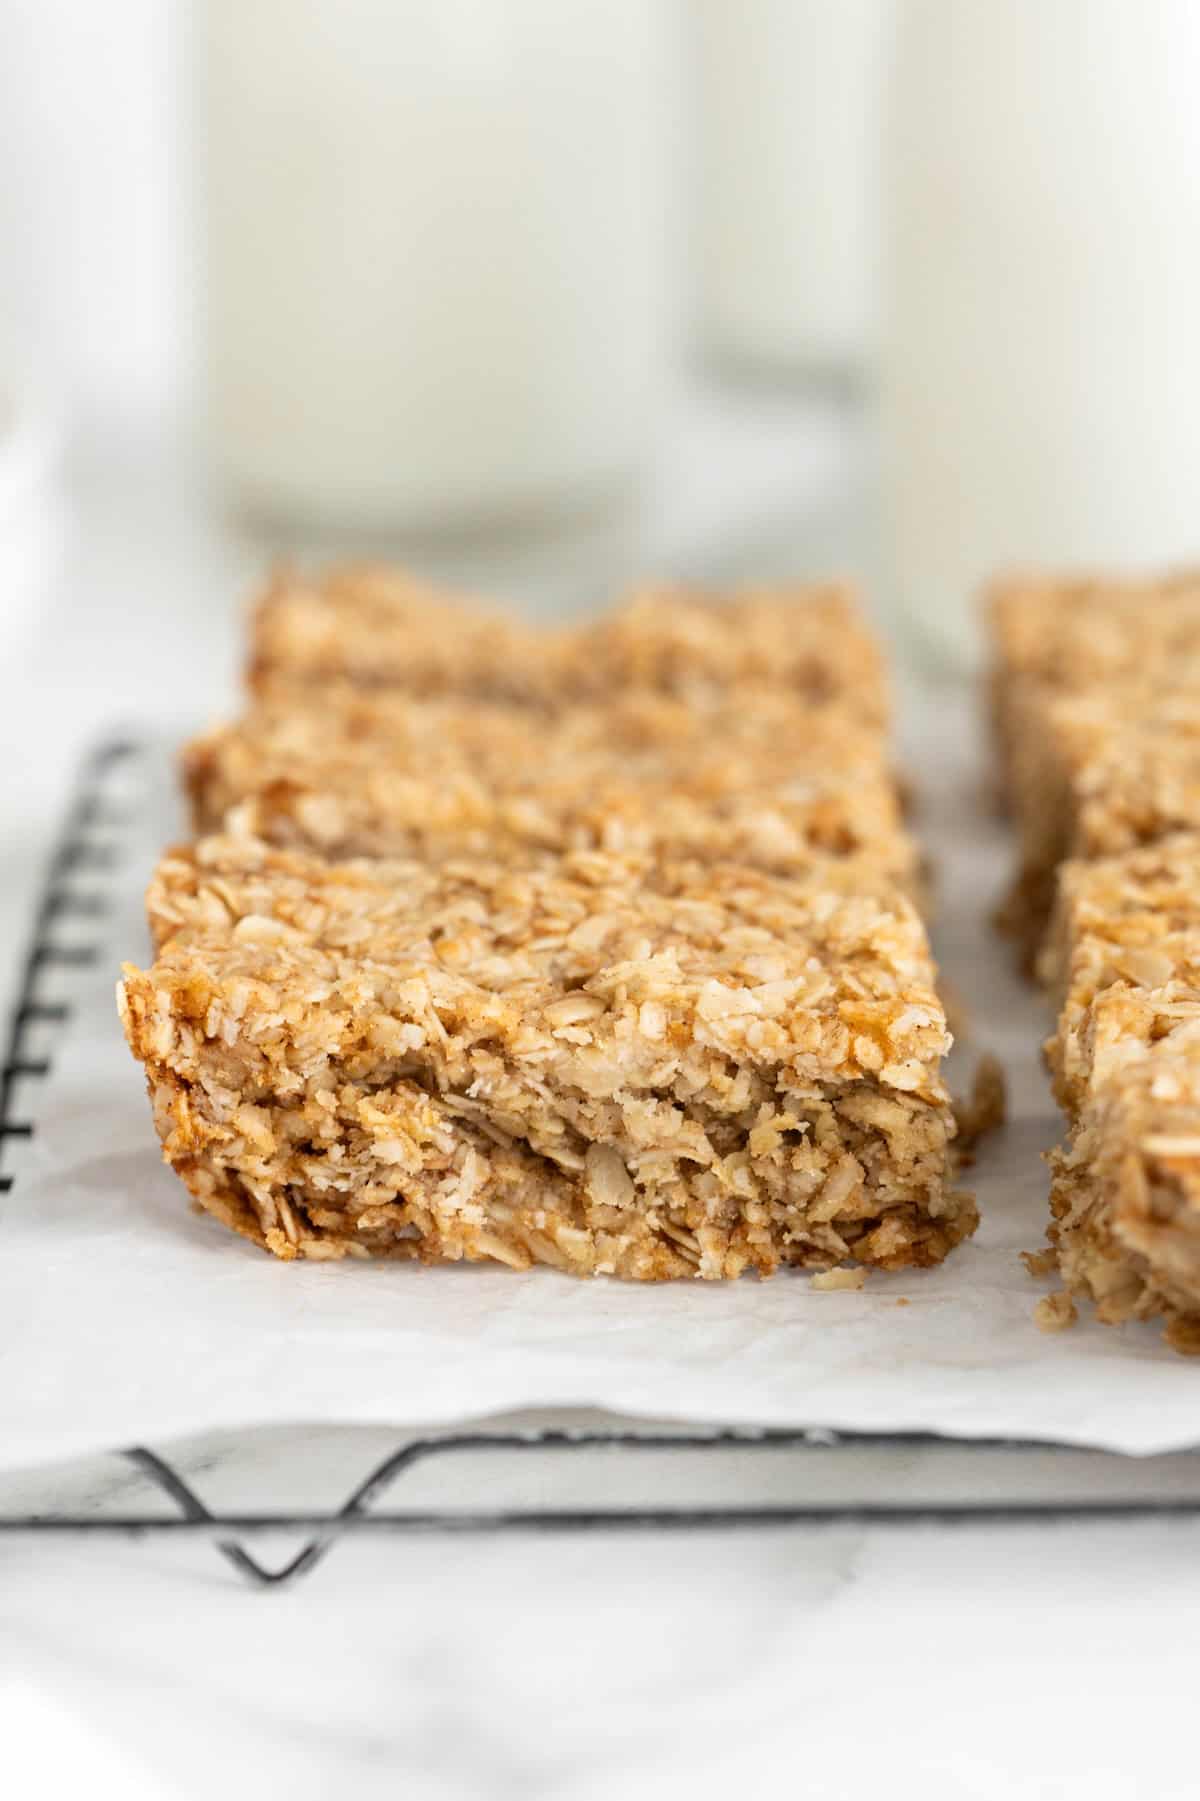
1097	722
1125	1063
691	1124
1078	660
1125	1194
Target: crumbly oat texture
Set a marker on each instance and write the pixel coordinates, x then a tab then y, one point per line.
1055	1312
1089	678
1090	631
603	1064
1142	781
1126	1193
1124	957
754	779
1096	698
379	629
1109	906
1094	773
809	641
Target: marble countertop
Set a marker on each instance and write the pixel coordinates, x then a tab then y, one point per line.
842	1661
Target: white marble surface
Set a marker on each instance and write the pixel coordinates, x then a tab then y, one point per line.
848	1664
976	1663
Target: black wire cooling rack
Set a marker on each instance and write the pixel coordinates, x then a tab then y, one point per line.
77	889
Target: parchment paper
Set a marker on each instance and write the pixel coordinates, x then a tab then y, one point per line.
126	1318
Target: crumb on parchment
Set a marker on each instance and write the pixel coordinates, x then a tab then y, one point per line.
826	1279
1040	1263
1055	1312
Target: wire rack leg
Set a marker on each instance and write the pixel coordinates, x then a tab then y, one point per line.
192	1508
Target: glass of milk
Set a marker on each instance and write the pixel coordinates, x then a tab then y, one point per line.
787	168
1041	338
433	283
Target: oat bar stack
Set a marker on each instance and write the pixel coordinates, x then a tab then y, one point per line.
750	777
1097	706
1125	1059
380	630
595	950
1095	686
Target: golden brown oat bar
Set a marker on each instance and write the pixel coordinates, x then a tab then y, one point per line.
1087	631
1097	771
1097	702
1142	783
1124	953
606	1066
1102	774
1116	1027
380	629
1126	1193
1072	634
1124	957
810	641
1111	908
753	780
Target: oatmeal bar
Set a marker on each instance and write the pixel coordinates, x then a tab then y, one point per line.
1055	635
1115	1028
1097	774
1110	908
1142	783
608	1066
1124	954
753	780
382	628
1126	1193
1097	703
812	642
1124	957
1072	633
1096	698
379	629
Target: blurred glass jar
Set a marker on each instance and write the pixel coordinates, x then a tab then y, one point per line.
1041	358
788	154
433	268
